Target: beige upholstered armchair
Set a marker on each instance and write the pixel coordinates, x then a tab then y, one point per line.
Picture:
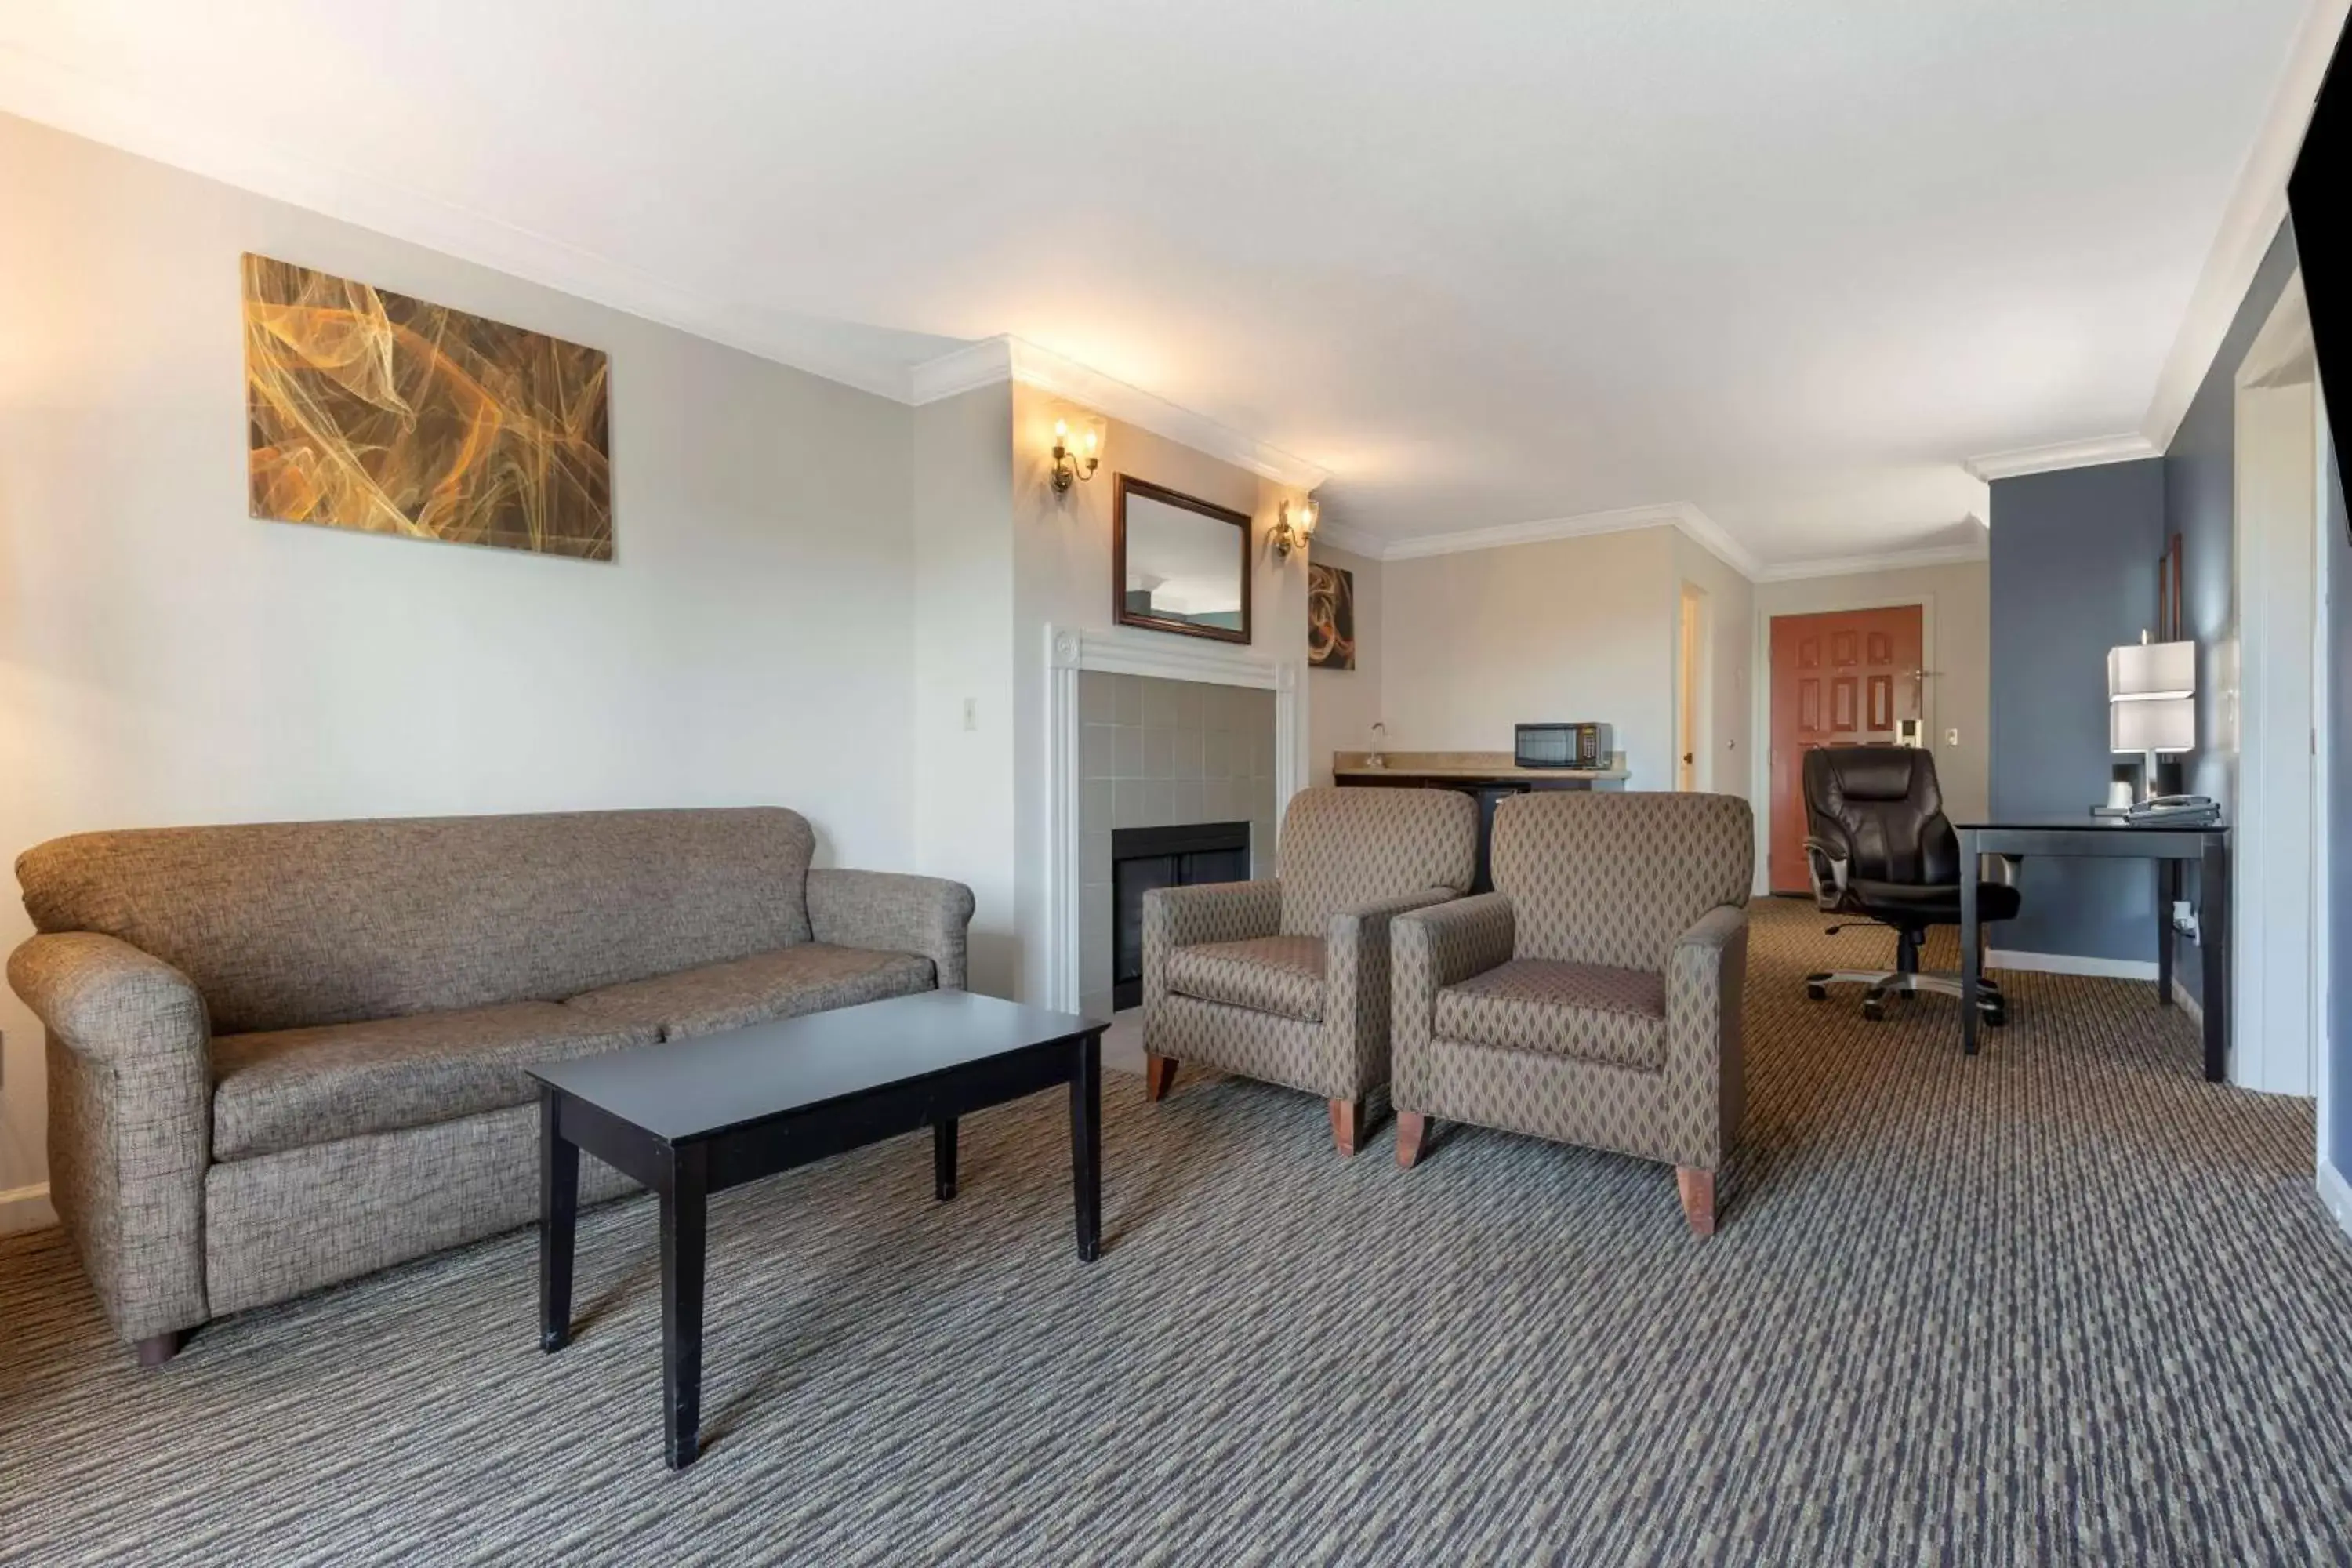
1594	996
1287	980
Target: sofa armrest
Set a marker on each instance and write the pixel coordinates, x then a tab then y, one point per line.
1431	948
1355	1012
1706	978
891	913
129	1063
1186	917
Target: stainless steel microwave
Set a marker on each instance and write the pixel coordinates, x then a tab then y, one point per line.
1563	746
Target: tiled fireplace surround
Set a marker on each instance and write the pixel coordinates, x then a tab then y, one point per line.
1234	685
1156	752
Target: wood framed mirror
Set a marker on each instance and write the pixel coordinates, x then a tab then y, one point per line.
1178	564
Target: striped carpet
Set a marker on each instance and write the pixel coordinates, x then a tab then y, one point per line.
2063	1302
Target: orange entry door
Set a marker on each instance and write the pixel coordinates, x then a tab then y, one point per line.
1845	678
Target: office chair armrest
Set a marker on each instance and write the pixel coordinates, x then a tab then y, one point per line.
1828	864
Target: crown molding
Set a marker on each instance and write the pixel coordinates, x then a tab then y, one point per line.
1689	520
1371	547
1711	536
2050	460
1893	561
967	369
2248	223
44	91
1694	525
1009	358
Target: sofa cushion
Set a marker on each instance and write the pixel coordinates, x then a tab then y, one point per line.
291	1088
808	977
1585	1010
1278	974
296	924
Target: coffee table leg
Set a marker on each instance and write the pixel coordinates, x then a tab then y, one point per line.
1086	1145
943	1156
684	1202
558	1214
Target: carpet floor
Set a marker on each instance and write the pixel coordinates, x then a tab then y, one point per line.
2061	1302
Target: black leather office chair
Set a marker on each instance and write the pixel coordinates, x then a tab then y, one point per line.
1880	847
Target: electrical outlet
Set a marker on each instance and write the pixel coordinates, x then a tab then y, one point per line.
972	712
1951	737
2184	918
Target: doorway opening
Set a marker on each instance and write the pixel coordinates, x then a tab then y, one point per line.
1691	694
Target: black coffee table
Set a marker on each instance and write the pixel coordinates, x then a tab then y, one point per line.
695	1117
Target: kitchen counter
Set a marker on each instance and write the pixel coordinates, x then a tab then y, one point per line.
1468	768
1481	775
1489	777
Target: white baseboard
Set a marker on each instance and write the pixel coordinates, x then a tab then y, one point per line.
2068	963
25	1208
2336	1194
2188	1004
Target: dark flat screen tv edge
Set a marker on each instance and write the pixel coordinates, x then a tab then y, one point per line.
2316	198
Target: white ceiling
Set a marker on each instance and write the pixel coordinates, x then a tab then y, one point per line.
1782	264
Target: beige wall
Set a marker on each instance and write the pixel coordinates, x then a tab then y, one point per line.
963	799
1958	601
1343	705
164	658
1565	629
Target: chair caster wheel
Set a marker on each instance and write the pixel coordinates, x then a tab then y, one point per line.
1875	1011
1816	992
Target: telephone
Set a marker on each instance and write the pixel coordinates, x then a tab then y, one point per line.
2177	810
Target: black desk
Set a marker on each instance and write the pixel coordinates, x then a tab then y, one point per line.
694	1116
2108	837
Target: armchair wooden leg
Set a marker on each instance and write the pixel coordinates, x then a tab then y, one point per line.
1412	1131
1158	1076
1698	1199
1347	1123
157	1349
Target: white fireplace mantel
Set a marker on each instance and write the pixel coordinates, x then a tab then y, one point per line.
1166	657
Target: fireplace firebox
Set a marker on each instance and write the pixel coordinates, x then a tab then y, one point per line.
1143	858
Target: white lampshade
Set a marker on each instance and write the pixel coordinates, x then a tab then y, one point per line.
2151	670
2152	724
2152	696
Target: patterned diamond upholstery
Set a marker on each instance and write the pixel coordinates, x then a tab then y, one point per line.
1288	981
1601	876
1342	848
1586	1010
1280	975
1529	1008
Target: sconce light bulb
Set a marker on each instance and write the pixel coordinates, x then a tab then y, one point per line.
1061	431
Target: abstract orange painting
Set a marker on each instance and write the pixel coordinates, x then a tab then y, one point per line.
369	410
1330	617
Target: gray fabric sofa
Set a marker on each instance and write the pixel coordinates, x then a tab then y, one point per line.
285	1055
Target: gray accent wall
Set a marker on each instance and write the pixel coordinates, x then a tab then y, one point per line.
2073	573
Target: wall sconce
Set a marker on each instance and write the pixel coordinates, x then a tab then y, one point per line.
1077	454
1290	533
